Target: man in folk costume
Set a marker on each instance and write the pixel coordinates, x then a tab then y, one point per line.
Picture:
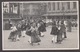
42	28
23	28
63	25
60	32
59	35
38	25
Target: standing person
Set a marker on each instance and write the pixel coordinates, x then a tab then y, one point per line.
23	28
28	32
59	35
69	29
34	36
54	32
10	23
65	23
63	27
38	25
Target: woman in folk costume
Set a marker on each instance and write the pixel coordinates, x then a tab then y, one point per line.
13	33
23	28
18	26
61	30
28	31
34	36
54	32
42	28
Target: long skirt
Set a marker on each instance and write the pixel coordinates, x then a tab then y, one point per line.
35	38
18	34
59	37
13	35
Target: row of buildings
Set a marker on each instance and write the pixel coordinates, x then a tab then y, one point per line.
44	10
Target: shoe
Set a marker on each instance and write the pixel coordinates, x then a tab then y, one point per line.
38	43
9	38
42	36
23	36
31	44
17	39
56	42
52	41
59	42
29	41
65	37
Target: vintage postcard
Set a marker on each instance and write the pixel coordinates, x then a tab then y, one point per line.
40	25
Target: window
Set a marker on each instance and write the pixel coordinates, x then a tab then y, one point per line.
74	5
68	4
62	6
53	6
49	6
58	6
6	7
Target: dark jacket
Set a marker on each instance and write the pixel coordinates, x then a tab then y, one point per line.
54	30
23	27
63	28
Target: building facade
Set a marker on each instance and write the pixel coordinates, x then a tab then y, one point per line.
32	10
62	10
43	10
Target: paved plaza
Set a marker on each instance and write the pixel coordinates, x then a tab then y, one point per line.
70	42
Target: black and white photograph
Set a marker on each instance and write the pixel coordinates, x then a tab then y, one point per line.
40	25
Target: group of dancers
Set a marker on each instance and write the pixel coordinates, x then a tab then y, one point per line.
58	31
34	30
